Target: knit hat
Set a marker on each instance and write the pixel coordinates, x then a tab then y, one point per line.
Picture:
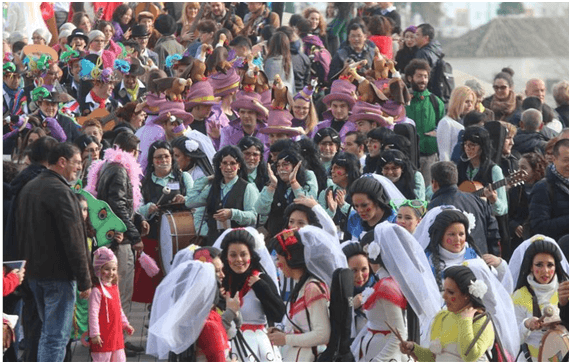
165	24
412	29
45	34
64	33
101	257
94	34
225	84
341	90
201	93
65	26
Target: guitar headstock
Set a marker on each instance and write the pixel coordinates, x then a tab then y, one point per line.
516	178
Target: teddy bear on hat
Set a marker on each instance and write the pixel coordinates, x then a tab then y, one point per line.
172	87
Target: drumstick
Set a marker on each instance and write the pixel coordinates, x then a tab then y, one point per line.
397	334
166	192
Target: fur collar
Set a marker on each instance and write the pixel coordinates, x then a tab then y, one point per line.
127	161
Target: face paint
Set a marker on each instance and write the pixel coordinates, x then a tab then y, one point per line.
449	241
453	299
340	173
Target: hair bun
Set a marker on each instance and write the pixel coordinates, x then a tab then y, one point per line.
508	70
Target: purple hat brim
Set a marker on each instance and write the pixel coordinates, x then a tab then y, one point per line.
339	97
281	129
249	105
186	117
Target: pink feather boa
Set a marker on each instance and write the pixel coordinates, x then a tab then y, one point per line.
125	159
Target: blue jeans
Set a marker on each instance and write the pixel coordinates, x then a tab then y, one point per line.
55	300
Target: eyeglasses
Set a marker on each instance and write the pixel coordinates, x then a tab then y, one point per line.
75	162
92	150
502	87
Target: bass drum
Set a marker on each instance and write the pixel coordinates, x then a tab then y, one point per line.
176	233
554	344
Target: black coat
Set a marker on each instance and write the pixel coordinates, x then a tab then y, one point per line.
51	232
529	141
345	52
301	68
114	187
70	128
11	251
563	112
430	53
485	233
549	212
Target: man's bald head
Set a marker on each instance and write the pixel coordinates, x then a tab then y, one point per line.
535	87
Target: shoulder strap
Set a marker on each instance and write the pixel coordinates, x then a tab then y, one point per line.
480	332
435	105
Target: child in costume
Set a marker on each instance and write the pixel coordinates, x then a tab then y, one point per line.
106	317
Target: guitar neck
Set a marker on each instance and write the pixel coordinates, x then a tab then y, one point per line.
495	186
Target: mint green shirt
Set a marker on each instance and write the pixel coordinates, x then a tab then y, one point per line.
165	181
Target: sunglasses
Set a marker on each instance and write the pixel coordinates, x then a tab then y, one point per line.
415	204
502	87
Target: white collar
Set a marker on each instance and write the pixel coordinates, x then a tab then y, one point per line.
543	291
452	258
122	87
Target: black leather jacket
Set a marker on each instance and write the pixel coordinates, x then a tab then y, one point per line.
114	187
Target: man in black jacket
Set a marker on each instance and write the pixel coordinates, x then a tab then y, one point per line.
549	199
49	108
444	179
528	138
52	238
428	48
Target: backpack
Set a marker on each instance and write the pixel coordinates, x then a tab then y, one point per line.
441	81
409	131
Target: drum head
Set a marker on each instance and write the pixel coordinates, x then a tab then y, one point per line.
165	248
554	345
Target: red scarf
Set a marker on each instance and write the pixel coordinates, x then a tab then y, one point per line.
246	288
98	99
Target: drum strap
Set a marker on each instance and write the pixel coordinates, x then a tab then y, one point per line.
479	333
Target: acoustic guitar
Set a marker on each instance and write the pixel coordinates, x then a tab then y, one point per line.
106	118
476	188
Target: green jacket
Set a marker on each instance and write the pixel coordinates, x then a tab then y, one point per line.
422	112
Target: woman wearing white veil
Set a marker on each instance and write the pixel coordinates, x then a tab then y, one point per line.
250	273
403	261
370	197
310	256
182	304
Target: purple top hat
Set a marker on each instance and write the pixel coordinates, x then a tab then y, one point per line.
173	108
365	111
224	84
201	93
279	121
341	90
250	101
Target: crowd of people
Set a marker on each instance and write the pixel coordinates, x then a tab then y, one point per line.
226	169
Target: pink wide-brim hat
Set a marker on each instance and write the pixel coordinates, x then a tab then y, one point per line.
201	93
173	108
341	90
365	111
279	121
250	101
224	84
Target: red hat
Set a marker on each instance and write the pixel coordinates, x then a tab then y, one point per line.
279	121
224	84
341	90
201	93
250	101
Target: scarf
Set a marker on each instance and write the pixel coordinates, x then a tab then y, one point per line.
543	292
503	107
133	93
560	178
12	94
98	99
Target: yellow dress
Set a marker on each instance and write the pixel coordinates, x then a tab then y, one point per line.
451	335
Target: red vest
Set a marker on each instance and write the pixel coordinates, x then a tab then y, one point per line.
110	324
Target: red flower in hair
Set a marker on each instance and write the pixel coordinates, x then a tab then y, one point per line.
203	255
287	238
